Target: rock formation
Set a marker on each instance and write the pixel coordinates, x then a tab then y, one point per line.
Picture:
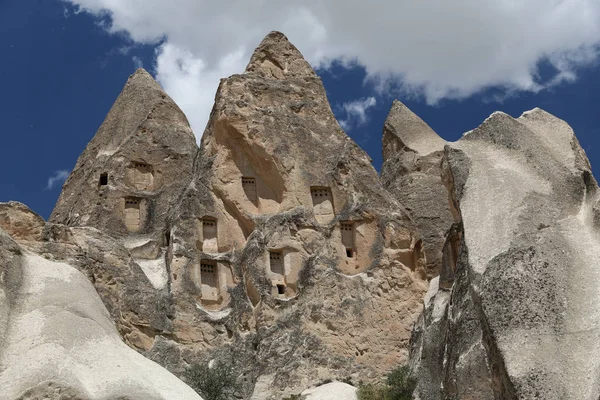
58	341
519	321
413	172
275	248
134	168
272	247
285	243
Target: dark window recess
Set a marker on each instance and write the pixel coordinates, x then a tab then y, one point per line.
281	289
349	253
103	179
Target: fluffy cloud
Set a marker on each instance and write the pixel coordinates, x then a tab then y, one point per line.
58	178
431	48
356	112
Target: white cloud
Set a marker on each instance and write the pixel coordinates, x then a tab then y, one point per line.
58	178
432	48
356	112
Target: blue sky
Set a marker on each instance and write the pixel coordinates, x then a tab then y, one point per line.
63	66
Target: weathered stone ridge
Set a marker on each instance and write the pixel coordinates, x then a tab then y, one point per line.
519	321
58	341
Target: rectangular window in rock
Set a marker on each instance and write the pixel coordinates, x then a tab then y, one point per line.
347	229
208	274
209	235
132	214
142	176
103	179
249	186
276	262
322	202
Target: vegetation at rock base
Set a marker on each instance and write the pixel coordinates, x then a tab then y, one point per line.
212	382
399	385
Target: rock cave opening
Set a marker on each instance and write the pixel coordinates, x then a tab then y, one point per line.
208	280
141	175
103	181
348	238
277	269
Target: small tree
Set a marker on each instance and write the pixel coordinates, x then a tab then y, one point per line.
216	382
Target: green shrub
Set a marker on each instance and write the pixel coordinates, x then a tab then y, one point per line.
212	383
372	392
399	385
292	397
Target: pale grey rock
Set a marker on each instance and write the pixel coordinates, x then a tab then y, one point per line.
413	171
331	391
58	341
521	321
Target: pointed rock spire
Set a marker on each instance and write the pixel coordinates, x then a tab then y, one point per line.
412	154
405	126
277	58
135	165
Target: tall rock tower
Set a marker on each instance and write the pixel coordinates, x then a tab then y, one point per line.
273	247
134	168
286	254
414	171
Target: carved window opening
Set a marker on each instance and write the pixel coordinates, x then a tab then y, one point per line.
103	179
209	235
208	274
276	263
348	235
280	289
322	201
142	175
132	214
249	186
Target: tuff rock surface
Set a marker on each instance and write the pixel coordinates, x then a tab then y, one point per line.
273	247
58	340
412	170
520	320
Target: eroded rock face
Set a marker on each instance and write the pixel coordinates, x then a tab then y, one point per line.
286	253
58	341
20	222
413	170
134	169
273	247
519	322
